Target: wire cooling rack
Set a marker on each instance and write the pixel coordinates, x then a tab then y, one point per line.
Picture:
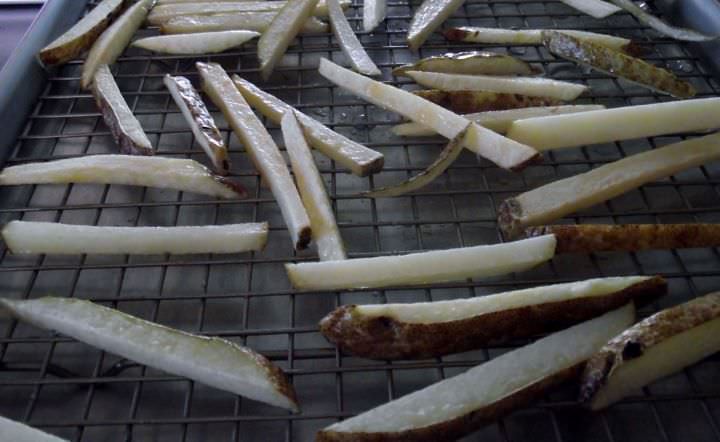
80	393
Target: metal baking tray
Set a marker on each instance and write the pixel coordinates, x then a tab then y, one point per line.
82	394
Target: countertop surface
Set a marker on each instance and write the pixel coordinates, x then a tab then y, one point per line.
14	21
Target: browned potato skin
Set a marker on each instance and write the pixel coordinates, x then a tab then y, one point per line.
587	238
383	337
651	331
460	426
466	102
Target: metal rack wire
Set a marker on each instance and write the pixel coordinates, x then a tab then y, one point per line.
83	394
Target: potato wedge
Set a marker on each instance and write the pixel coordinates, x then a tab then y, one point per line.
658	346
466	102
249	21
113	41
451	408
17	432
588	238
470	63
593	8
563	197
349	43
195	44
433	329
428	17
82	35
374	12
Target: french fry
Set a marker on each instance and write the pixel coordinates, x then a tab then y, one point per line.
466	102
249	21
349	43
374	12
195	44
470	63
428	17
594	8
662	27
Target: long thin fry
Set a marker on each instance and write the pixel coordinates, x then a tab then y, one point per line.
114	40
212	361
616	124
466	102
429	16
555	200
249	21
17	432
312	189
374	12
424	267
594	8
484	142
285	26
160	172
25	237
422	179
662	27
588	238
361	160
471	63
349	43
198	43
531	86
261	148
616	63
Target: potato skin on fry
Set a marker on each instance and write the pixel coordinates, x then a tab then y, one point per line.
466	102
383	337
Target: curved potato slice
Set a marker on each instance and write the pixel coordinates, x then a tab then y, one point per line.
249	21
374	12
198	43
349	43
661	26
470	63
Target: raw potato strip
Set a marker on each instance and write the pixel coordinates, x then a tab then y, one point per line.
125	128
160	172
656	347
209	360
588	238
82	35
260	147
448	155
617	124
534	87
24	237
594	8
195	44
449	409
432	267
283	29
200	120
432	329
374	12
484	142
555	200
470	62
466	102
499	121
616	63
429	16
17	432
661	26
114	40
251	21
312	189
361	160
349	43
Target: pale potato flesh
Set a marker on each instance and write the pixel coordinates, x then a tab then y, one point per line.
472	34
374	12
249	21
428	17
349	43
594	8
198	43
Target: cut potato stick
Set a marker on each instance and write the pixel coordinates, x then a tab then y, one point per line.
428	17
175	2
201	122
24	237
424	267
555	200
312	189
471	63
285	26
448	155
588	238
466	102
661	26
616	63
113	41
498	121
451	408
17	432
499	36
159	172
374	12
261	148
484	142
593	8
361	160
209	360
617	124
198	43
534	87
658	346
349	43
82	35
432	329
124	127
251	21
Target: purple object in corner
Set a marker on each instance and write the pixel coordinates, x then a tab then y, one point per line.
14	21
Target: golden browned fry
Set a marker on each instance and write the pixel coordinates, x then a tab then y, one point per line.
616	63
586	238
466	102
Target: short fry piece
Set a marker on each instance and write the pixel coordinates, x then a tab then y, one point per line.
249	21
470	63
429	16
466	102
593	8
588	238
555	200
349	43
374	12
194	44
15	431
